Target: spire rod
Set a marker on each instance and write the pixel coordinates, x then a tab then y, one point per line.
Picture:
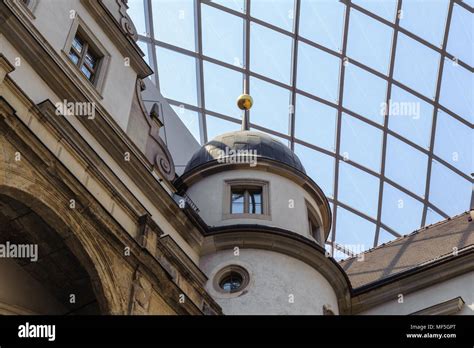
245	102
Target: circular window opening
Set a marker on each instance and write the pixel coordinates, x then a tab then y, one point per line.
231	279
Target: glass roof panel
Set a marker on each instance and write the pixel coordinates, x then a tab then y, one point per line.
457	90
416	66
433	217
190	119
348	236
365	150
236	5
418	18
385	236
364	93
322	22
176	23
461	34
454	142
319	166
315	122
217	126
222	36
410	116
271	107
369	41
279	13
318	107
136	10
270	53
454	199
318	72
177	75
406	166
400	212
383	8
358	189
222	87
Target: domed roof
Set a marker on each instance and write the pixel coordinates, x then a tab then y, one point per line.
258	144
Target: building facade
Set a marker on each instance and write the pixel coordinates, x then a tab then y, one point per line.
96	218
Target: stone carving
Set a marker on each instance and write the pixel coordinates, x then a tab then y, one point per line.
141	293
125	21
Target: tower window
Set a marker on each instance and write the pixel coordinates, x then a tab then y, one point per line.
314	226
231	279
246	201
246	198
84	57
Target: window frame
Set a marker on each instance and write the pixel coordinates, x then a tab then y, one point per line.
80	29
313	218
246	185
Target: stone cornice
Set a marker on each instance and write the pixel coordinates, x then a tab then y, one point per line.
285	242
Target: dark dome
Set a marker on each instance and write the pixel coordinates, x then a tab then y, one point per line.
260	143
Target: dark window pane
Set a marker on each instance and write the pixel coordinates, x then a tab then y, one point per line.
255	202
77	44
232	282
90	60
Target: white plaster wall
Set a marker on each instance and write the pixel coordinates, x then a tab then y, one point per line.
208	194
53	20
273	278
18	288
459	286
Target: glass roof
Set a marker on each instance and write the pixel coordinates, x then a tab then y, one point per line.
376	97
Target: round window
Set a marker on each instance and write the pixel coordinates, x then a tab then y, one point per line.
231	279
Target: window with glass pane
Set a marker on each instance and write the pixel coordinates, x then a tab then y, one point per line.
190	119
246	200
236	5
222	35
217	126
136	11
353	232
84	57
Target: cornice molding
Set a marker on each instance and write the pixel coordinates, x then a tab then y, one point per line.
449	307
284	242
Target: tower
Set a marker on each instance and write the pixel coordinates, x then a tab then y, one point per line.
268	223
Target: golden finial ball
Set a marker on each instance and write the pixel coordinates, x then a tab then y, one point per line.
244	102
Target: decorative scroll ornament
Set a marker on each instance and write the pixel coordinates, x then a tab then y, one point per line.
125	21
